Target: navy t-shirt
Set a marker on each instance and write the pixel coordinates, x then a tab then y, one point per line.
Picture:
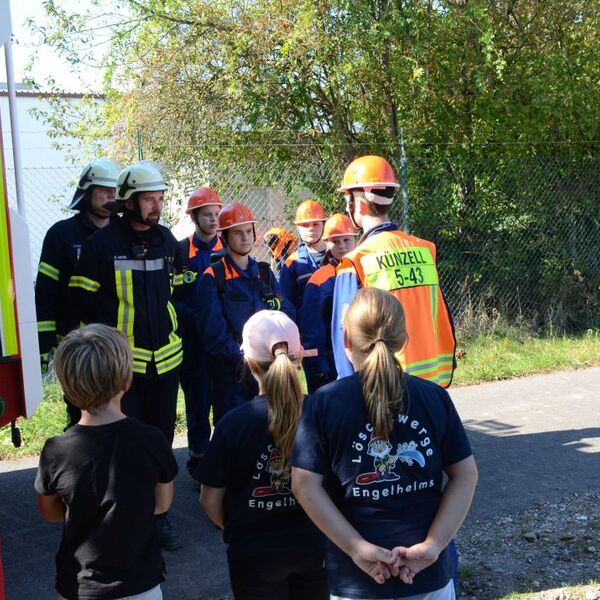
261	514
389	490
106	476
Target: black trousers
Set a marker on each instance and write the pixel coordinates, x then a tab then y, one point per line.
153	400
285	575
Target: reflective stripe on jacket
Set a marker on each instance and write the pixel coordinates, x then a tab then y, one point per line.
60	252
406	266
125	279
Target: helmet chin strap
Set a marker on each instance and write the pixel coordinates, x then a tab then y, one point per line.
89	207
198	228
351	212
96	214
319	239
136	214
223	237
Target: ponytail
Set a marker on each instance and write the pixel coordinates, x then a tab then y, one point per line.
375	325
281	385
383	387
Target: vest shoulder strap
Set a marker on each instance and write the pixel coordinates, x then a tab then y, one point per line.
264	269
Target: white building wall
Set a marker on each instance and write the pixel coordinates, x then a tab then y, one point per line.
48	177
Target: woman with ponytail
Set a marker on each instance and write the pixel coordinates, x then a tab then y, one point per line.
274	552
369	461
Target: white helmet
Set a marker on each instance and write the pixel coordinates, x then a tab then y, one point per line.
139	178
102	171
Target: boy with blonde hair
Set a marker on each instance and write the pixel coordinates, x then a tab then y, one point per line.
105	477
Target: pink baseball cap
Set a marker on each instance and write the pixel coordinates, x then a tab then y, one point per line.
266	328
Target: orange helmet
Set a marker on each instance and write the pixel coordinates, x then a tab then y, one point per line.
310	211
274	232
233	214
368	172
203	196
338	225
281	242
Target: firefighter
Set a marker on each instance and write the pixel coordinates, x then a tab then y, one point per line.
297	269
390	259
231	290
60	252
280	243
314	315
203	207
124	278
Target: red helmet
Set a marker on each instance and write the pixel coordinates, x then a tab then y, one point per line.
203	196
233	214
308	212
338	225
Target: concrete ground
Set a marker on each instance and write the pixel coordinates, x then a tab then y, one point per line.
535	438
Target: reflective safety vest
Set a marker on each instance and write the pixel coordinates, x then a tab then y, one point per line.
405	265
126	279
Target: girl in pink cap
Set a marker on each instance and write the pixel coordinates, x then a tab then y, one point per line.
274	552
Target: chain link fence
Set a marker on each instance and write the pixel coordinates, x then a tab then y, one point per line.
48	192
516	237
519	236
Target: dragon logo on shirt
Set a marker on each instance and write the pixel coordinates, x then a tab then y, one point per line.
384	462
280	482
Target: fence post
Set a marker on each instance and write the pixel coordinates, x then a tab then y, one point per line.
139	146
404	183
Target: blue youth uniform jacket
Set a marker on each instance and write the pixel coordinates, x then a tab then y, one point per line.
196	255
314	319
221	317
295	274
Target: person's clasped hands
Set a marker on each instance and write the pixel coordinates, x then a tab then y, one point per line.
404	562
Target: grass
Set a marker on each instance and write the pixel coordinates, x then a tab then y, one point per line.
505	355
49	420
574	592
487	357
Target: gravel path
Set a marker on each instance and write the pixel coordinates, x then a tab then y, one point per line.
552	546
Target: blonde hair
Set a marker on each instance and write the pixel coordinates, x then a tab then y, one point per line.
281	385
376	327
93	364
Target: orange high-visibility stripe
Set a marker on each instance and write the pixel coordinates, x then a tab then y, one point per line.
322	274
193	250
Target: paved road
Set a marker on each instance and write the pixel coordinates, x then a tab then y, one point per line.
536	438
